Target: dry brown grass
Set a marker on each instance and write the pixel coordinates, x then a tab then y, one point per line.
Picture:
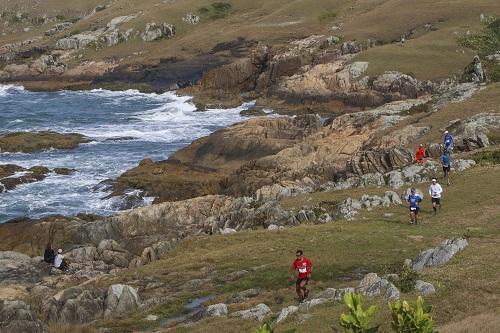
481	323
63	328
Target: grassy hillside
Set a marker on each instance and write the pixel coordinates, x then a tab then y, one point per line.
431	51
377	240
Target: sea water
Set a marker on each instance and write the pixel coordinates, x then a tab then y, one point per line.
124	127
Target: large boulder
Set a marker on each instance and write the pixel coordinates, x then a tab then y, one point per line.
120	300
441	254
373	285
259	312
154	31
76	305
17	316
216	310
28	142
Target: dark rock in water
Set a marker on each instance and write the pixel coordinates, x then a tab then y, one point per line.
9	169
40	170
88	217
64	171
28	142
121	138
253	112
128	202
104	185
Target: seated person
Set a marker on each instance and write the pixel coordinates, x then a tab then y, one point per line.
49	255
59	261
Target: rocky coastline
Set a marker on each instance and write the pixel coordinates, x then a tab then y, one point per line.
338	129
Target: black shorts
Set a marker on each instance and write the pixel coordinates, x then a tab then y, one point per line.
416	210
299	281
446	168
436	200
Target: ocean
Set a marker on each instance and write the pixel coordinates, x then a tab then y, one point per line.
124	127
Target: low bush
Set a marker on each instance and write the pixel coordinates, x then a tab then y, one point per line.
411	319
358	320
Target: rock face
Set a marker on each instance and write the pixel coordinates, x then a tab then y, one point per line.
155	31
472	133
16	316
79	41
259	312
216	310
439	255
58	28
310	69
285	312
28	142
474	72
373	285
76	305
424	287
200	168
120	300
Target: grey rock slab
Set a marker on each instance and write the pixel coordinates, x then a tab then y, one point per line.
285	312
259	312
120	300
441	254
425	288
216	310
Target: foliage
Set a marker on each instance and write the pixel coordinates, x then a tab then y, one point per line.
409	319
407	277
221	9
327	17
358	320
486	42
265	328
487	157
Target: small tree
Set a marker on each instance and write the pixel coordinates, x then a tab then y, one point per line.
358	320
408	319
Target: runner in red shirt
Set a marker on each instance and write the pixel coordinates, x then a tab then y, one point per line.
301	269
420	154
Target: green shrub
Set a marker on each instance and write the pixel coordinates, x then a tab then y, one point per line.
203	10
60	17
407	277
358	320
221	9
408	319
487	157
265	328
327	17
486	42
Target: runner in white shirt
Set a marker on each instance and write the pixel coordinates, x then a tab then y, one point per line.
435	191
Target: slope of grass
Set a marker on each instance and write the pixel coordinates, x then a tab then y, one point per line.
372	242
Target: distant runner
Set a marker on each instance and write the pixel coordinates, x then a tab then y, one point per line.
420	154
301	269
435	191
448	141
446	162
413	204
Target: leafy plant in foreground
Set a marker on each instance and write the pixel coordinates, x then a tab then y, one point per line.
265	328
358	320
408	319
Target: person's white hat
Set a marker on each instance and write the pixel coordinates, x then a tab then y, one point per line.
434	180
59	251
445	132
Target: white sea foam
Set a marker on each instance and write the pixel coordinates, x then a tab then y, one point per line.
6	89
156	125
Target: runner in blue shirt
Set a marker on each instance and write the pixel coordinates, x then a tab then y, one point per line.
448	141
446	162
413	204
